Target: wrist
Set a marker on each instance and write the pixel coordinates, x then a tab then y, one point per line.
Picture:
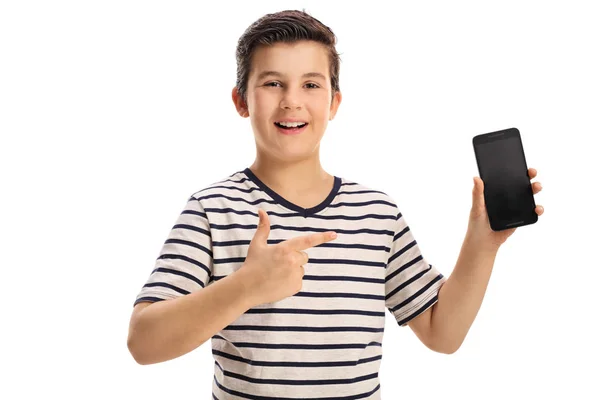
479	243
246	287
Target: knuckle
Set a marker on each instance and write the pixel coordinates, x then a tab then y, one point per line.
304	257
308	241
279	252
290	258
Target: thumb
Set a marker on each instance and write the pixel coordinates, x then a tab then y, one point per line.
263	229
478	199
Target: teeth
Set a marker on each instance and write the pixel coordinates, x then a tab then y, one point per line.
291	124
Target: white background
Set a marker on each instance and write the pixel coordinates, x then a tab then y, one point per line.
112	113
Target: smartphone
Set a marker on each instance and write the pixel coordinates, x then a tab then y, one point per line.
507	187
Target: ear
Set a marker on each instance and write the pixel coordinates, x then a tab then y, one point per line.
240	105
335	103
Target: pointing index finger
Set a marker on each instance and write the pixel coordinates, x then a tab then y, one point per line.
307	241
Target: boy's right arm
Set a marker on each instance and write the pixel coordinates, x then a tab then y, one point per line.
167	329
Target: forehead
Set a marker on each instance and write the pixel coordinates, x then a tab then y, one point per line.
292	59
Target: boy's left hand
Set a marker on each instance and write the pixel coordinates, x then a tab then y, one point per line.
479	225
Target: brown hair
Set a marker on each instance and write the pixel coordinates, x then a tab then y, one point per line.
285	26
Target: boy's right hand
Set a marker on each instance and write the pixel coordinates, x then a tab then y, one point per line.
274	272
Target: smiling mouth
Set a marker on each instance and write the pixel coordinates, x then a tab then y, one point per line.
291	130
291	127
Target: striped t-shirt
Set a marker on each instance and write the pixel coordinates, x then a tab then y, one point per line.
325	342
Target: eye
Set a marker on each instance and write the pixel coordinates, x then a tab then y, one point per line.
315	86
271	83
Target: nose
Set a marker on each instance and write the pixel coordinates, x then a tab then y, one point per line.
291	100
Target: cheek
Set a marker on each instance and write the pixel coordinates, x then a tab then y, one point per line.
263	106
321	103
319	110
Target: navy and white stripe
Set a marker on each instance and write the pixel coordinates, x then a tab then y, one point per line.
325	342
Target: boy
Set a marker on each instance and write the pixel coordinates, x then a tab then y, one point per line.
292	312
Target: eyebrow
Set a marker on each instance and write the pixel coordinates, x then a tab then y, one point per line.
275	73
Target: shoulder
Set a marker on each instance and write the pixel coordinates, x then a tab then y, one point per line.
224	186
368	194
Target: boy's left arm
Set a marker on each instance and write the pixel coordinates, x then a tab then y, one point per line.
444	326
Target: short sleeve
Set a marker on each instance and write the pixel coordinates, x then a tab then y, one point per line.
185	262
411	283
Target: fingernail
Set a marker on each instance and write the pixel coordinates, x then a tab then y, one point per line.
333	235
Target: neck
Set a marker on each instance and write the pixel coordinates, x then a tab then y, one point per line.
298	176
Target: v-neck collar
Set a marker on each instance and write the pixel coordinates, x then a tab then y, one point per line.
337	183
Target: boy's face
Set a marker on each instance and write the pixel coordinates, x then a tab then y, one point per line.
279	89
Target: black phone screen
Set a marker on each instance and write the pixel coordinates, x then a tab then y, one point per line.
507	186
